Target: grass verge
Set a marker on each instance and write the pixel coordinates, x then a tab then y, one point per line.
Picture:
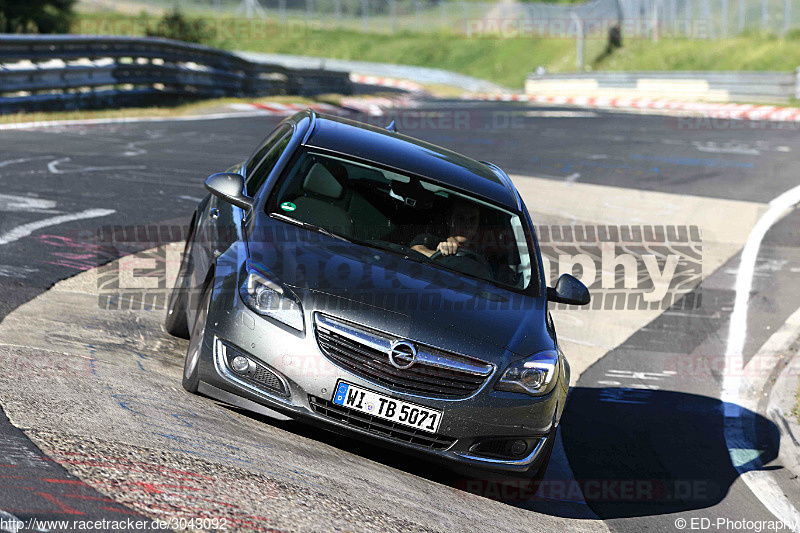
506	61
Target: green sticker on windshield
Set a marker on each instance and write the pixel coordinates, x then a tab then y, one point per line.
288	206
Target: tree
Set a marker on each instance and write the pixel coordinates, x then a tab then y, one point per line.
36	16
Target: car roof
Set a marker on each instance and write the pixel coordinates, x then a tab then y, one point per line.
409	155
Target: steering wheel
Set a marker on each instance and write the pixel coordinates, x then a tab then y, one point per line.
461	252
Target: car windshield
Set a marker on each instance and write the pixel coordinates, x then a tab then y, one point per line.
415	217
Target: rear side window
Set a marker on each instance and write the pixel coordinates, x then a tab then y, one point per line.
263	162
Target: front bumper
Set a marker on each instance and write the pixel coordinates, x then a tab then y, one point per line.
310	380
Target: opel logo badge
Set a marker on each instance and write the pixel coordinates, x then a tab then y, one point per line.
402	355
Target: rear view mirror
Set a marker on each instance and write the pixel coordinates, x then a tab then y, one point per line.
229	186
569	290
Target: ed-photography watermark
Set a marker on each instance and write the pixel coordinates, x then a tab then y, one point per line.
696	523
639	267
628	266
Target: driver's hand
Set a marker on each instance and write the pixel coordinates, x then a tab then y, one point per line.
448	247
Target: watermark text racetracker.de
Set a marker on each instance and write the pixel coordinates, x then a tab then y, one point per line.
10	522
640	267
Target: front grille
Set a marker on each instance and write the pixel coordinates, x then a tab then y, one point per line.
364	352
379	427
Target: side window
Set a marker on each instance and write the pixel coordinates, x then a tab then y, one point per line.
262	163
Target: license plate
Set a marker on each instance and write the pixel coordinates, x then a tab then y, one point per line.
385	408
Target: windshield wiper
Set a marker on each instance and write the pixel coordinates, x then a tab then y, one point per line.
309	226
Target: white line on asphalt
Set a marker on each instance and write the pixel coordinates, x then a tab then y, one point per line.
21	160
26	204
15	271
52	166
737	330
738	423
26	229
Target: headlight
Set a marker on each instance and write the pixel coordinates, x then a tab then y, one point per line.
269	298
534	375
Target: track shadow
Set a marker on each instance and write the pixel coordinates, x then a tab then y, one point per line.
648	452
632	453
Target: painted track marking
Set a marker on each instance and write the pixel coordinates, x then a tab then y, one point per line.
739	425
26	229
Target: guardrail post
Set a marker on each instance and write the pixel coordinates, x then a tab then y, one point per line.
282	11
578	40
393	15
797	83
741	16
364	15
724	26
786	20
654	21
764	15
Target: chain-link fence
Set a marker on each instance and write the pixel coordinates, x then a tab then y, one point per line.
653	19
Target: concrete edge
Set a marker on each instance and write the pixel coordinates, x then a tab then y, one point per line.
782	400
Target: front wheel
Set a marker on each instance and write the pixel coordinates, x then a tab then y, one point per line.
175	323
191	376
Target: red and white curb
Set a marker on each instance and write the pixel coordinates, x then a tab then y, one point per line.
376	105
370	105
392	83
703	109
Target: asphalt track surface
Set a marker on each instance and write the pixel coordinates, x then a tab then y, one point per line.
647	411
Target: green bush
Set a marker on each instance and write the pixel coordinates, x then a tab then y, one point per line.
36	16
175	26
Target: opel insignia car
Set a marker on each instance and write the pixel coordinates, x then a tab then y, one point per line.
379	286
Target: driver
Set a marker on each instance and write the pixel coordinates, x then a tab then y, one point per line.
462	231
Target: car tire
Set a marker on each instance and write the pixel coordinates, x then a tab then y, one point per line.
191	374
175	322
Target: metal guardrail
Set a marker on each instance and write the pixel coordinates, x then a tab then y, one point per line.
708	86
70	72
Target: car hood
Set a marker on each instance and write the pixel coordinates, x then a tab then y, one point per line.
411	299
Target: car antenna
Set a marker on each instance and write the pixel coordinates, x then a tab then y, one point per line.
392	127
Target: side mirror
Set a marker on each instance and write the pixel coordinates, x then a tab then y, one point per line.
229	186
569	290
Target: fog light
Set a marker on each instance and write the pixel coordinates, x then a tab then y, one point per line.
240	364
519	447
